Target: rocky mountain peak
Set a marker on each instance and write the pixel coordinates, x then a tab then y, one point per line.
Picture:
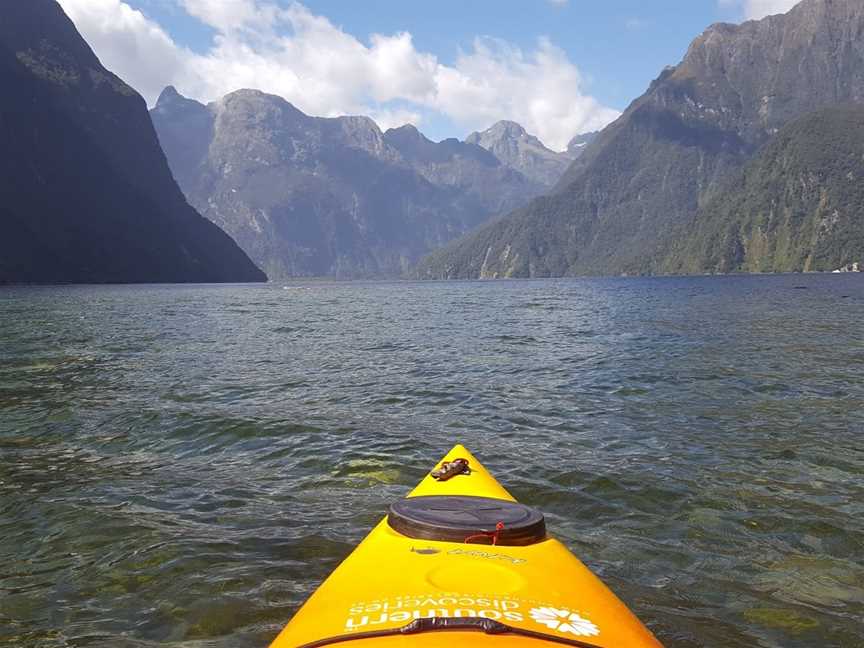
507	128
504	132
170	100
408	140
754	77
520	150
168	95
577	145
360	123
247	99
364	133
407	132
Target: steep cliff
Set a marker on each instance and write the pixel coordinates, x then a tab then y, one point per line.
620	205
85	192
307	196
797	207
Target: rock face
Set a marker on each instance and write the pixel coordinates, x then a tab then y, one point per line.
621	204
797	207
86	192
576	146
476	178
511	144
307	196
852	267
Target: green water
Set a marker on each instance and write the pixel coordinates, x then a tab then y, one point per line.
182	465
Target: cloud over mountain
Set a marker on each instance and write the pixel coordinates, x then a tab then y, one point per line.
757	9
294	53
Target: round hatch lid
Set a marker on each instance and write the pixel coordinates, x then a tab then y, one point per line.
456	518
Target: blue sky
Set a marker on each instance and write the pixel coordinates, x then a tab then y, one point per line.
620	45
559	67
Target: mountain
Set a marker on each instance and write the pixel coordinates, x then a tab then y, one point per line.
309	196
619	206
473	172
511	144
576	146
85	192
797	207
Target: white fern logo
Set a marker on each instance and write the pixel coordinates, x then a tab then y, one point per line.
564	621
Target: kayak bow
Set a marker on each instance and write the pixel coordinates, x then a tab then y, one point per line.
461	557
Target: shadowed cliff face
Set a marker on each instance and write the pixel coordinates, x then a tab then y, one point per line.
307	196
86	193
618	207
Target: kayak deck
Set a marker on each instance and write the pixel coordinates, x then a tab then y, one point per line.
390	581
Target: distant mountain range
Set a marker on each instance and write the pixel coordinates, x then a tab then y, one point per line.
708	171
308	196
511	144
745	157
85	191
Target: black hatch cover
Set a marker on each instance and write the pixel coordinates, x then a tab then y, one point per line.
452	518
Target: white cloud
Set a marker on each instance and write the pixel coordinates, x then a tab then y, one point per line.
226	15
325	71
133	47
757	9
540	90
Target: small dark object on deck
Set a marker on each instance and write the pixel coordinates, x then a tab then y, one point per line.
450	469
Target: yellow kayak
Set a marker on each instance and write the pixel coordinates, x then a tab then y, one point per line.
459	563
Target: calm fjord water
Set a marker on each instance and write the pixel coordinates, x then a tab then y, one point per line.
182	465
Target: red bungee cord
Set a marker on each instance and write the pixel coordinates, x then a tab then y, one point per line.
487	534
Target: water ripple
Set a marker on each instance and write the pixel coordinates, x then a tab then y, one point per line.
181	465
